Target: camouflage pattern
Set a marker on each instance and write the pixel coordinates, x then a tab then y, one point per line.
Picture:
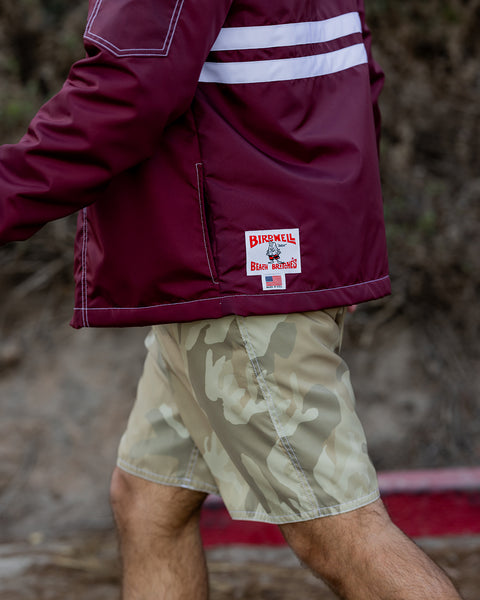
258	409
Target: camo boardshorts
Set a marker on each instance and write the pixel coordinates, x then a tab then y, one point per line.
257	409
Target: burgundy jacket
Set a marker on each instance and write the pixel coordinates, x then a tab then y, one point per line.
222	156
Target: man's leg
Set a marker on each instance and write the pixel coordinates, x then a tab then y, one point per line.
362	555
160	542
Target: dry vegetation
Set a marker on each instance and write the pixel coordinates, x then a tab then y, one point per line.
430	51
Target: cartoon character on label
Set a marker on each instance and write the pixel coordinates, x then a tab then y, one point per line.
273	253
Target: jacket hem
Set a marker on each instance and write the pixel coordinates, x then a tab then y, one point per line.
241	304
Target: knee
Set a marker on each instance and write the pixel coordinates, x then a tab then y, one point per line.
144	507
122	494
125	500
315	551
303	539
330	545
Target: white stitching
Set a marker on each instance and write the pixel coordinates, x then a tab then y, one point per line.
119	52
320	512
86	268
178	12
205	487
95	10
192	463
122	52
84	285
285	442
82	290
228	296
197	165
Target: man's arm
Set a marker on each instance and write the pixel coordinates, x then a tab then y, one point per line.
140	73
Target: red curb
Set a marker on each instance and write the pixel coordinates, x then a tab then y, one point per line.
430	480
422	503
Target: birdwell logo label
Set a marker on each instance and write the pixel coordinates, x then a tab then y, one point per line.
272	254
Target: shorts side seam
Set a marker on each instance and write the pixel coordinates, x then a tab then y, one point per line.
191	464
274	417
184	482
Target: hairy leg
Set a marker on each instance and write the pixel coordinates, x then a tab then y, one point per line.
362	555
161	548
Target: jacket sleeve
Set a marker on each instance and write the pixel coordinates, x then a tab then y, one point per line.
140	73
377	76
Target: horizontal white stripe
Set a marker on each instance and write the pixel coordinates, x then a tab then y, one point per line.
290	34
284	69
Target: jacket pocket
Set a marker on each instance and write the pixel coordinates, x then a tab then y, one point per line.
204	223
133	27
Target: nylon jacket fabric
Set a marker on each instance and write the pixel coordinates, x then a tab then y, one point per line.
222	156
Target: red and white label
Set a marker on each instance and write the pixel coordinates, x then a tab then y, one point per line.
273	252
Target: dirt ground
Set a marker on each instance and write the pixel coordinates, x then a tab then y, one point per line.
87	567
